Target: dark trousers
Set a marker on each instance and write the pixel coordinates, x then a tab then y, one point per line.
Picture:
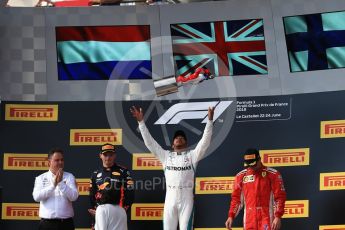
56	224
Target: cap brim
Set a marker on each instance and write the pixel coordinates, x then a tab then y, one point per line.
108	151
250	163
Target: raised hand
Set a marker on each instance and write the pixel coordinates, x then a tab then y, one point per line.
210	113
137	113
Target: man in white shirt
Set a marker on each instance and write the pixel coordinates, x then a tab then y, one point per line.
55	190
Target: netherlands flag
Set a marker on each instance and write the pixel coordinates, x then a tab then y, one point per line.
103	52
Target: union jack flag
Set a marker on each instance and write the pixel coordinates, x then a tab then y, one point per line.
225	47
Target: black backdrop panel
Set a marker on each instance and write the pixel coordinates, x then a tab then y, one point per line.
301	130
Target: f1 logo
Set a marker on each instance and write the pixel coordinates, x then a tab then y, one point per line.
192	110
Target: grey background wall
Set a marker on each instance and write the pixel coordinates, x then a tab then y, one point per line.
28	53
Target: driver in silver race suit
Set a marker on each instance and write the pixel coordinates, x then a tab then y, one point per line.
179	166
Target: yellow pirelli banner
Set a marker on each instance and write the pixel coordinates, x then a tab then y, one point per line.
147	211
332	227
27	161
296	209
30	112
146	161
217	229
95	136
332	181
20	211
214	185
285	157
83	185
332	129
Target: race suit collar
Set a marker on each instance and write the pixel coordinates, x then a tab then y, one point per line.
259	170
110	169
180	152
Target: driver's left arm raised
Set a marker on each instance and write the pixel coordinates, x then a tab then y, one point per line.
204	143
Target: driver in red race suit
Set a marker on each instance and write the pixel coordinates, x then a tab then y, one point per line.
261	190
